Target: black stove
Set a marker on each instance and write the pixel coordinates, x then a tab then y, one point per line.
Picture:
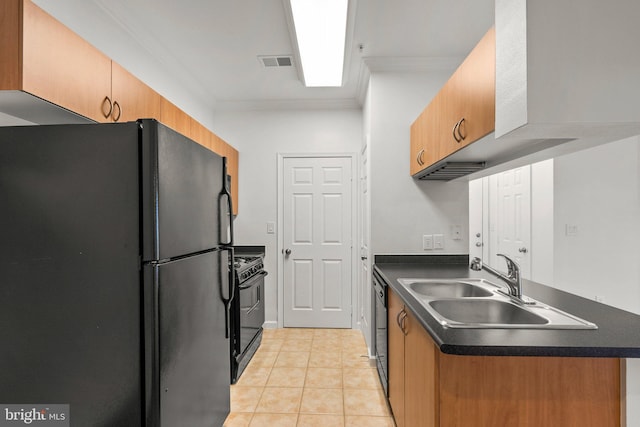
247	307
247	266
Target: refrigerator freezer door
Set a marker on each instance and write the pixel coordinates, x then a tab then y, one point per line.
181	186
192	353
70	313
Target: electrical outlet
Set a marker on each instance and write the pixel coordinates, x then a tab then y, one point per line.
438	241
570	230
456	232
427	242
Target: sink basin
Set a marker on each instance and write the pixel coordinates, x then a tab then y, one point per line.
446	288
479	303
485	312
449	290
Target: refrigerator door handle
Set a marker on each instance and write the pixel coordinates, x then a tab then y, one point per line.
229	205
230	290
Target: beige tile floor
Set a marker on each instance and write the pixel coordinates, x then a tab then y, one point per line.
309	377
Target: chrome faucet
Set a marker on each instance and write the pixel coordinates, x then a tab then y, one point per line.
512	278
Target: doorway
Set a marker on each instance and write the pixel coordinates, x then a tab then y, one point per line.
511	212
318	226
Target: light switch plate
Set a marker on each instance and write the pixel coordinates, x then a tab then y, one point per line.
271	227
427	242
438	241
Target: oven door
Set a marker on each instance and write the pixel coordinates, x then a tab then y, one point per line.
380	291
251	309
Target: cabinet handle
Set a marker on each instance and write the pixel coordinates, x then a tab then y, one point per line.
398	318
421	157
116	118
462	136
402	322
455	134
107	101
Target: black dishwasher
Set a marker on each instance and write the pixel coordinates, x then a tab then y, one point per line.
380	289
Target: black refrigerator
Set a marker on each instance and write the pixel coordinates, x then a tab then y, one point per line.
115	274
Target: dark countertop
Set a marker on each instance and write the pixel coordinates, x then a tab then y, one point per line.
618	333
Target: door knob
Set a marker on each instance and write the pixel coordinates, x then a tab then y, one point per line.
286	251
479	244
523	250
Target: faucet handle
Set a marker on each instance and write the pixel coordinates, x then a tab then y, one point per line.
513	268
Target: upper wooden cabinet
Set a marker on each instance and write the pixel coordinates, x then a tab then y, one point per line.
174	117
560	87
468	98
44	58
131	99
46	63
461	113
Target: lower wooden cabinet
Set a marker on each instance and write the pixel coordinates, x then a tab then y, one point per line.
429	388
412	368
395	343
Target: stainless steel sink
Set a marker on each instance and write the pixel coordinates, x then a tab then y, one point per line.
448	289
478	303
485	312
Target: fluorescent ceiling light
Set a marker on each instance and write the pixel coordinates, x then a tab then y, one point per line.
321	27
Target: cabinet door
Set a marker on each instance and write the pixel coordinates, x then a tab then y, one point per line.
396	358
418	128
174	117
200	134
426	136
469	98
131	98
421	376
61	67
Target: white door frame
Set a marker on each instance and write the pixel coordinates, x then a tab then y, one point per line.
354	229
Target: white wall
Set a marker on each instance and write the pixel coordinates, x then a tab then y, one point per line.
402	208
259	136
598	191
542	200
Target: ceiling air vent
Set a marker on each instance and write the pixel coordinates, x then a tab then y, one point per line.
276	61
450	170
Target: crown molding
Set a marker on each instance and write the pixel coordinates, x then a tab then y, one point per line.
412	64
289	104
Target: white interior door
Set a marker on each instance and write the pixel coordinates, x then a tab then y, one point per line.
513	220
317	247
364	283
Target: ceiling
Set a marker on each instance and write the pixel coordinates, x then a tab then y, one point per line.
211	47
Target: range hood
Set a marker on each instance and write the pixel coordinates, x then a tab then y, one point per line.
446	171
